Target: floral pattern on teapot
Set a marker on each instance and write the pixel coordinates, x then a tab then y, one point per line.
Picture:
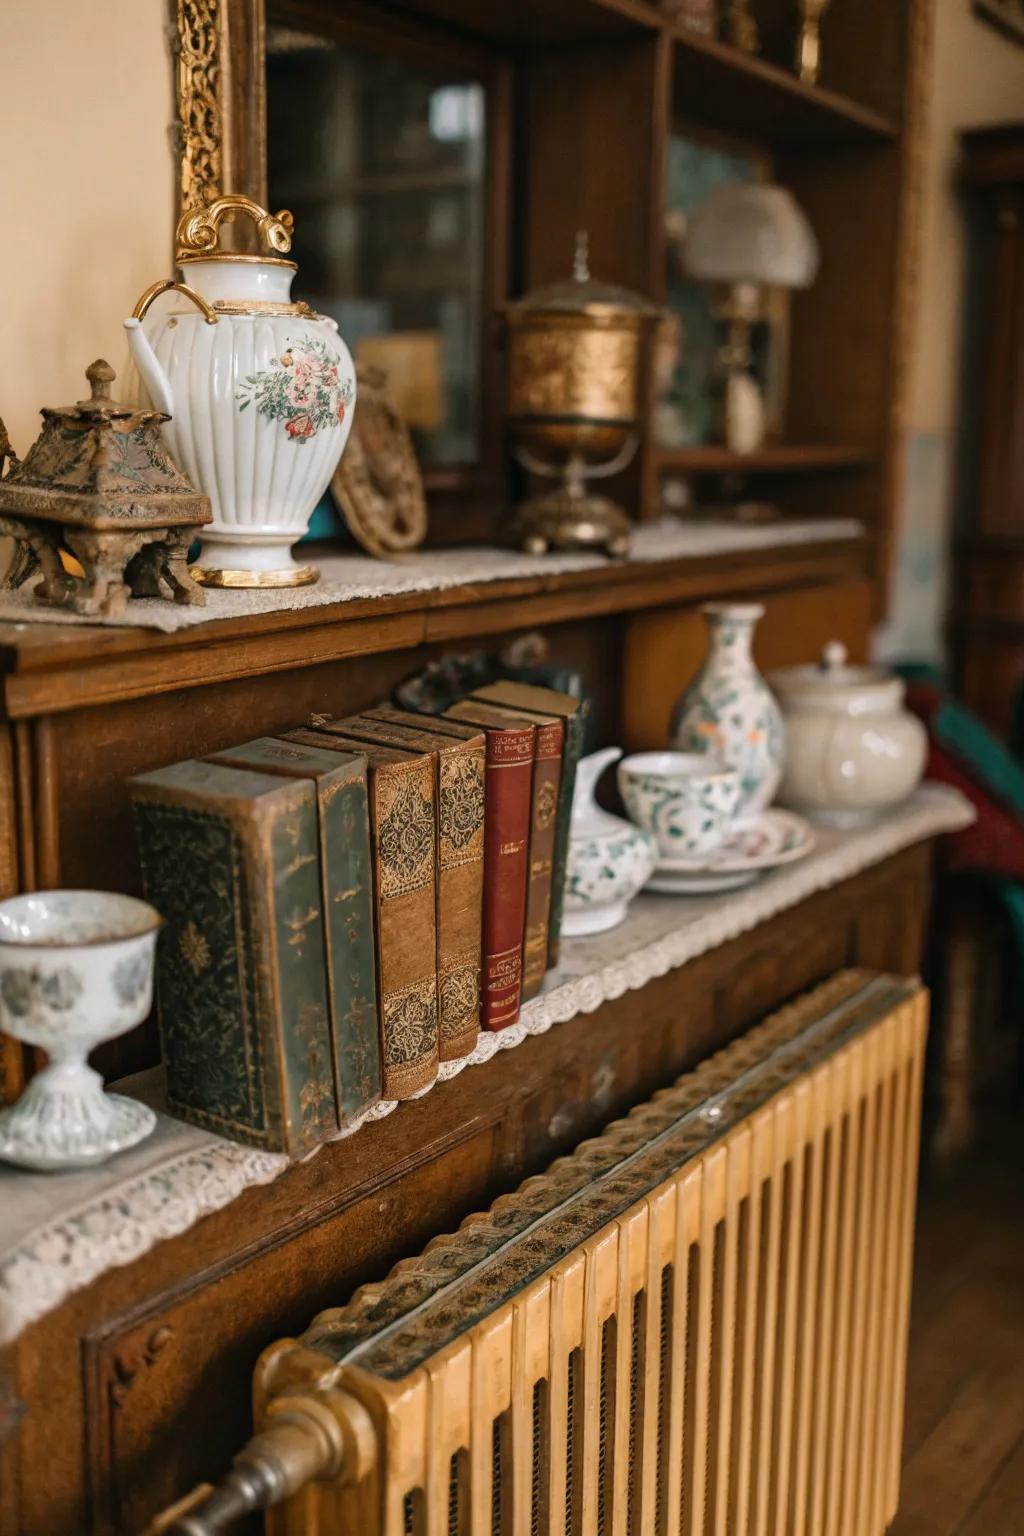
303	389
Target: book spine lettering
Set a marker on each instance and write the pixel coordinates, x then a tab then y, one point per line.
404	837
460	866
296	1020
546	778
507	836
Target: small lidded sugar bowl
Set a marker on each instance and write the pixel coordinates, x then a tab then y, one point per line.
852	749
76	969
609	860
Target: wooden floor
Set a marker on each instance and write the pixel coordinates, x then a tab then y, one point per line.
964	1445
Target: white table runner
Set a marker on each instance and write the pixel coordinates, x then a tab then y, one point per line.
344	578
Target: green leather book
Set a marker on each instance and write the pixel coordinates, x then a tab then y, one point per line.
346	881
230	858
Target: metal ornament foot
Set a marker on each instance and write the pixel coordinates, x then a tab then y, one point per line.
564	520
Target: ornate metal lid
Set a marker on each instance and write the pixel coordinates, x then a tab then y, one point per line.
103	465
583	295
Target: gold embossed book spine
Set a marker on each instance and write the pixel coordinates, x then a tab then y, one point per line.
459	788
403	833
695	1325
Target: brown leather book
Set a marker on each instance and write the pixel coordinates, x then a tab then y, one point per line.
547	777
459	788
510	750
403	836
527	697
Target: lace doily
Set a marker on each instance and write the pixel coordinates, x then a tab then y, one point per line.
58	1232
344	578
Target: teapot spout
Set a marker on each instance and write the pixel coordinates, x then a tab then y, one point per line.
158	385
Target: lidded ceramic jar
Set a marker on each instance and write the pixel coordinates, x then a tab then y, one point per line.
852	749
259	388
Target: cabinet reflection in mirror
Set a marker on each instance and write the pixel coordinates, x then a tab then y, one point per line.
382	158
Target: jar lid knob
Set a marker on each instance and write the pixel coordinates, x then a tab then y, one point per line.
833	657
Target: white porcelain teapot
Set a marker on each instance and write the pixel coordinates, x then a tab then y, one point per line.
609	859
260	392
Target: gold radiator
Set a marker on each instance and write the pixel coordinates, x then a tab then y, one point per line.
695	1325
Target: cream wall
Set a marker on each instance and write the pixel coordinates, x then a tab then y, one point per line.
977	77
86	187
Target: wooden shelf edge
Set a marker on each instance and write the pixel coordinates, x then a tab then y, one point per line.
52	668
834	104
776	458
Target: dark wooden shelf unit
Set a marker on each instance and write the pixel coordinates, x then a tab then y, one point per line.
725	88
524	23
772	459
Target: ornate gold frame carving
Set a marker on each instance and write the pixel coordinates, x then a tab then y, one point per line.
202	127
220	96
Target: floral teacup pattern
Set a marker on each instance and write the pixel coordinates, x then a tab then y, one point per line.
688	801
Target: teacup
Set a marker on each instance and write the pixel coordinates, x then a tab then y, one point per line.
687	799
76	968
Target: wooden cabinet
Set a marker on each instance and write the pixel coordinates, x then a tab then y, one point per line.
138	1386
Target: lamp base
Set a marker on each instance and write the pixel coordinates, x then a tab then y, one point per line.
571	519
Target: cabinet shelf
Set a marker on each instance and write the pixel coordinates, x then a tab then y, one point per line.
773	459
725	88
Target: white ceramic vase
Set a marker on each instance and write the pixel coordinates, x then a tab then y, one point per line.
260	393
729	709
609	859
76	968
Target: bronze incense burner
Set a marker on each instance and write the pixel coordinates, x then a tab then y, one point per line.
99	486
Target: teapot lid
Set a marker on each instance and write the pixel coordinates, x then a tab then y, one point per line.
833	681
583	295
197	237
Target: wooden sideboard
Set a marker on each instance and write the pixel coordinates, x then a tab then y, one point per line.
138	1386
84	708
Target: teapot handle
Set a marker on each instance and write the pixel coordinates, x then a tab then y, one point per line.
165	286
198	229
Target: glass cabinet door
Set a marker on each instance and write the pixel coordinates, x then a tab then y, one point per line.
382	159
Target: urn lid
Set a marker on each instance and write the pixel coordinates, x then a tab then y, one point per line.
583	295
834	686
103	465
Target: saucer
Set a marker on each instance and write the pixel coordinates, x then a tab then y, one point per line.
754	845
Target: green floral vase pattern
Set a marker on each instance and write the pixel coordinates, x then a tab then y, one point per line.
730	710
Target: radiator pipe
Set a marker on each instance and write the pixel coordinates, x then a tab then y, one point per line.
308	1437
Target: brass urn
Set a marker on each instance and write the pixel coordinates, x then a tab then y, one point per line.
573	399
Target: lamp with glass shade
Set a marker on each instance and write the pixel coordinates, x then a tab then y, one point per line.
743	238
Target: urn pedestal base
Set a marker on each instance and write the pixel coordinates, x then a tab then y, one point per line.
64	1119
569	519
230	560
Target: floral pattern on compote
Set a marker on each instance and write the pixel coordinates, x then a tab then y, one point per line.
303	389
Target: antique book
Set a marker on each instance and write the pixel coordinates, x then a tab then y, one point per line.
507	785
346	882
230	858
547	775
459	787
548	701
403	838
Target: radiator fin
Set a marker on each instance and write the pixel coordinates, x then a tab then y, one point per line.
724	1355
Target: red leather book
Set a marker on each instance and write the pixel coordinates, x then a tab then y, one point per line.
508	785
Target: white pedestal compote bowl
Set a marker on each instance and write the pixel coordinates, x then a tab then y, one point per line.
76	969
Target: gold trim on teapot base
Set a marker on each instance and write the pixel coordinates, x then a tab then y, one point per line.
296	576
